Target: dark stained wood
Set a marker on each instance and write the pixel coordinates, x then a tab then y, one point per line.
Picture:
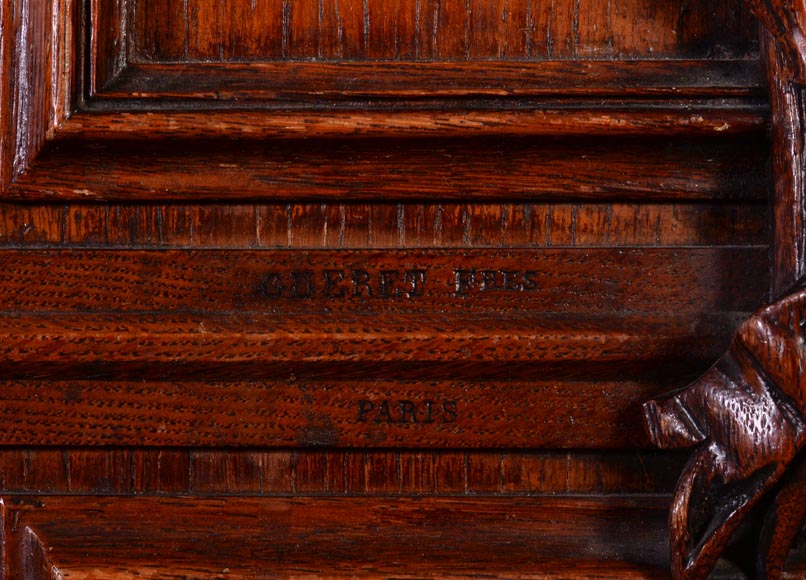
42	102
152	346
784	22
40	49
594	281
146	346
167	159
27	84
312	82
109	42
155	28
440	537
783	522
745	415
418	414
281	472
496	168
446	537
385	226
437	30
532	225
639	120
788	160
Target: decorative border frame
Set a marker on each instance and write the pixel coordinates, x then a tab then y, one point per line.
67	82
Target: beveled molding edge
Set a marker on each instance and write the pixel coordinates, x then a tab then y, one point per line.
66	79
746	482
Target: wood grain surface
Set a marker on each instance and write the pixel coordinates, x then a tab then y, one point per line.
385	225
312	82
180	168
261	472
315	282
202	30
341	537
390	414
788	159
397	316
492	168
745	415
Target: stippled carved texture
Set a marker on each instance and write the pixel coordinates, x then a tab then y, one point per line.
746	414
746	417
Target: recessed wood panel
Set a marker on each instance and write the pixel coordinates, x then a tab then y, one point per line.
159	101
337	538
238	30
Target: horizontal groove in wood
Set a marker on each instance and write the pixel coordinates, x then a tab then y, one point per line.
317	81
71	168
323	285
351	414
548	537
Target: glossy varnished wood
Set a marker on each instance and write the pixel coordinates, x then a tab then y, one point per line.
49	120
259	472
447	537
264	84
71	168
236	30
172	161
746	414
380	226
319	413
439	537
347	341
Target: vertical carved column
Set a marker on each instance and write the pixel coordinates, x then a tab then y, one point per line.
745	416
786	57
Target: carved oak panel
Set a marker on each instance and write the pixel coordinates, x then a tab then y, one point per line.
362	249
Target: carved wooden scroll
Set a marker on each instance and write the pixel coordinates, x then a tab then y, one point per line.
746	415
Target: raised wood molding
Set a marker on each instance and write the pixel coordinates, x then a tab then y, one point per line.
784	21
301	348
52	112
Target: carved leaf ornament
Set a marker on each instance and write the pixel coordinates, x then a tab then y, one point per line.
746	416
